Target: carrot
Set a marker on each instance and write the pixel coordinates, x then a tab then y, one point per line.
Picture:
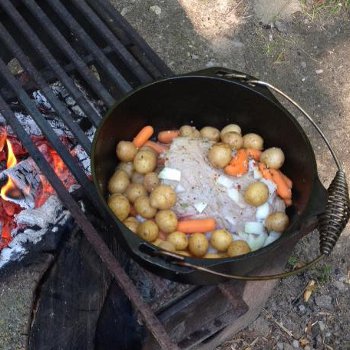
168	136
253	153
288	202
287	180
196	225
238	164
143	136
264	171
159	148
282	188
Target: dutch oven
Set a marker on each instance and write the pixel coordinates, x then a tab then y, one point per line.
218	97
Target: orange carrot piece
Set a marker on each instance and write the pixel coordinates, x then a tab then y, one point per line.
253	153
287	180
143	136
156	146
168	136
288	202
264	171
196	225
238	164
282	188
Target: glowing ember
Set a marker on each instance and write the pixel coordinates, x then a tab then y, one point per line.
10	187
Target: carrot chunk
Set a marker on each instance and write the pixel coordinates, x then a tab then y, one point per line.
264	171
159	148
143	136
282	188
238	164
253	153
196	225
168	136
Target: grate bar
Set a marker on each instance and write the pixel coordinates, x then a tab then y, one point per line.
151	321
64	45
118	47
51	61
90	45
61	109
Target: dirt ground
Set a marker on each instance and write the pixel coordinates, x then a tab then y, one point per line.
304	49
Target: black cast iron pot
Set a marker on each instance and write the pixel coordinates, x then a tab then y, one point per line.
209	98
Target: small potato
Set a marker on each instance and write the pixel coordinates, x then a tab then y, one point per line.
253	141
238	248
151	181
183	252
126	151
127	167
166	220
277	221
145	161
210	133
119	205
134	191
148	231
143	207
229	128
212	256
256	194
118	182
219	155
179	239
189	131
131	223
198	244
146	148
137	178
220	240
233	139
166	245
272	157
163	197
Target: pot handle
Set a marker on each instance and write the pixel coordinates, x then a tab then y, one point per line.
331	222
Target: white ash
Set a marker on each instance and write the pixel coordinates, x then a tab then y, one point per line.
83	158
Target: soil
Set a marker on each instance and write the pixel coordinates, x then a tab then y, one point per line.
302	48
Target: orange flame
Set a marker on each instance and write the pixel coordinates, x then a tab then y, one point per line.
11	162
3	137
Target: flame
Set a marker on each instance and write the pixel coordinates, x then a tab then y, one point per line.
3	137
11	162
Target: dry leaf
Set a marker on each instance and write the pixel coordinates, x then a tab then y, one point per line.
310	288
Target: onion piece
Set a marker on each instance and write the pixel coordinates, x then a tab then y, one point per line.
236	197
270	185
273	236
257	174
200	206
262	211
224	181
242	236
254	227
170	174
140	218
179	188
256	242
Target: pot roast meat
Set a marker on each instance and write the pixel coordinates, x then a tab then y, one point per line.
199	189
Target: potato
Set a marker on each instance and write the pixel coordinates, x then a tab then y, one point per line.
163	197
210	133
134	191
126	151
137	178
127	167
277	221
145	162
118	182
272	157
147	148
198	244
220	155
256	194
212	256
179	239
119	205
143	207
229	128
253	141
166	220
238	248
183	252
220	240
148	230
189	131
131	223
166	245
233	139
151	181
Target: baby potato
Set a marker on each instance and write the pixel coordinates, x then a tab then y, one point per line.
277	221
166	220
148	230
145	161
210	133
179	239
229	128
198	244
256	194
146	148
212	256
127	167
131	223
220	240
134	191
189	131
119	205
143	207
126	151
118	182
151	181
238	248
166	245
163	197
183	252
219	155
137	178
272	157
253	141
233	139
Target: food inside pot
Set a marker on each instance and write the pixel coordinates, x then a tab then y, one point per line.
205	193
